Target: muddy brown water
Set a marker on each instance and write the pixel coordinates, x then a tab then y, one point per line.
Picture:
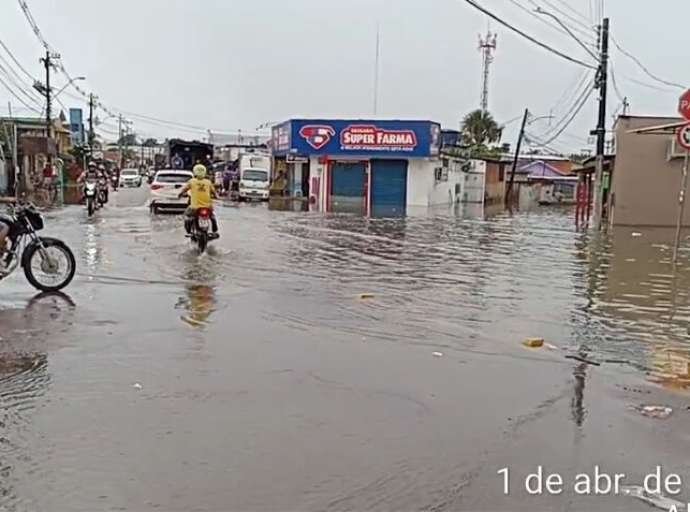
256	378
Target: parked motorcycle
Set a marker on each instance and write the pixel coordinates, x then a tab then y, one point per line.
48	263
91	195
200	227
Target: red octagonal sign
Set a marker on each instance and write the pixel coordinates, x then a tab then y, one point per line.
684	105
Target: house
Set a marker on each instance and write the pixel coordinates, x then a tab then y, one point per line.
562	164
544	183
646	178
29	135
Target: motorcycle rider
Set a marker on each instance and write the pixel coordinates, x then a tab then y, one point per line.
104	177
201	195
91	174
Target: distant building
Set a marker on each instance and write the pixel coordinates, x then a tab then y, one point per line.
543	183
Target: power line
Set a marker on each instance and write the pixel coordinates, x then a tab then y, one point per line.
577	25
545	46
19	98
574	11
575	111
619	95
644	68
579	93
19	65
648	85
18	85
570	93
543	20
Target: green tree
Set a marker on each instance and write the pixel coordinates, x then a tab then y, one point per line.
151	142
479	129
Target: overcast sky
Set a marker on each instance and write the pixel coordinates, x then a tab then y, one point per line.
236	64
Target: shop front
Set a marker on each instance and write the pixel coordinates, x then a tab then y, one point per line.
359	166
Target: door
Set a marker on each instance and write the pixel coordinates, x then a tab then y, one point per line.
348	187
388	188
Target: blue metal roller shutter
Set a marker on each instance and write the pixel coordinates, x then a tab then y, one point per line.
348	187
388	187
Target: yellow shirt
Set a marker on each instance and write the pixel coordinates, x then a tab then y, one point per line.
200	193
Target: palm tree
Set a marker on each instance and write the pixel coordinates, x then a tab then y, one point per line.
480	128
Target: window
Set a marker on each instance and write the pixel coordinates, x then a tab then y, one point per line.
501	172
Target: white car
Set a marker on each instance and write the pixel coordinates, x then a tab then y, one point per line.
165	188
130	178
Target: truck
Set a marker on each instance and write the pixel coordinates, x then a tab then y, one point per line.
184	154
254	170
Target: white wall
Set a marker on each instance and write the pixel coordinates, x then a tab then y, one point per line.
318	170
424	190
474	182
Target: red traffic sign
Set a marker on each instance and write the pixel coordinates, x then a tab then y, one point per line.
684	105
684	137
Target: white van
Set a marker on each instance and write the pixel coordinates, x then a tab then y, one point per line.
254	184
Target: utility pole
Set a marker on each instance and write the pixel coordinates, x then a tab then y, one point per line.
601	125
376	70
487	47
509	190
48	64
91	134
119	140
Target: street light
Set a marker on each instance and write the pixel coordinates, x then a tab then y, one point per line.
75	79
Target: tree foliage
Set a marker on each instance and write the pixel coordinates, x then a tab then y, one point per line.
479	128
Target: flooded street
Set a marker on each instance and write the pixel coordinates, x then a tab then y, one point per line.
258	377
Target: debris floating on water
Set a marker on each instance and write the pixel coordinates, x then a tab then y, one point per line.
658	412
534	342
136	385
366	296
636	234
437	354
582	360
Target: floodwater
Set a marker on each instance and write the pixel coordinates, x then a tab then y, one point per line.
256	377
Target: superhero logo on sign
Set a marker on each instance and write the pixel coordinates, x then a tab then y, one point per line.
317	135
372	138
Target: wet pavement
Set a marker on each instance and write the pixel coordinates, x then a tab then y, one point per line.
256	377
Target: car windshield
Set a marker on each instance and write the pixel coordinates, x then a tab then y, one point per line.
255	175
129	172
173	178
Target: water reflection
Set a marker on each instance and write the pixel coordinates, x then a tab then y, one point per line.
199	301
24	378
611	296
92	249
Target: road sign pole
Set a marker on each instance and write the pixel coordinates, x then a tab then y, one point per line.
681	205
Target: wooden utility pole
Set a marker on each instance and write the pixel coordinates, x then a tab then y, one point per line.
509	190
